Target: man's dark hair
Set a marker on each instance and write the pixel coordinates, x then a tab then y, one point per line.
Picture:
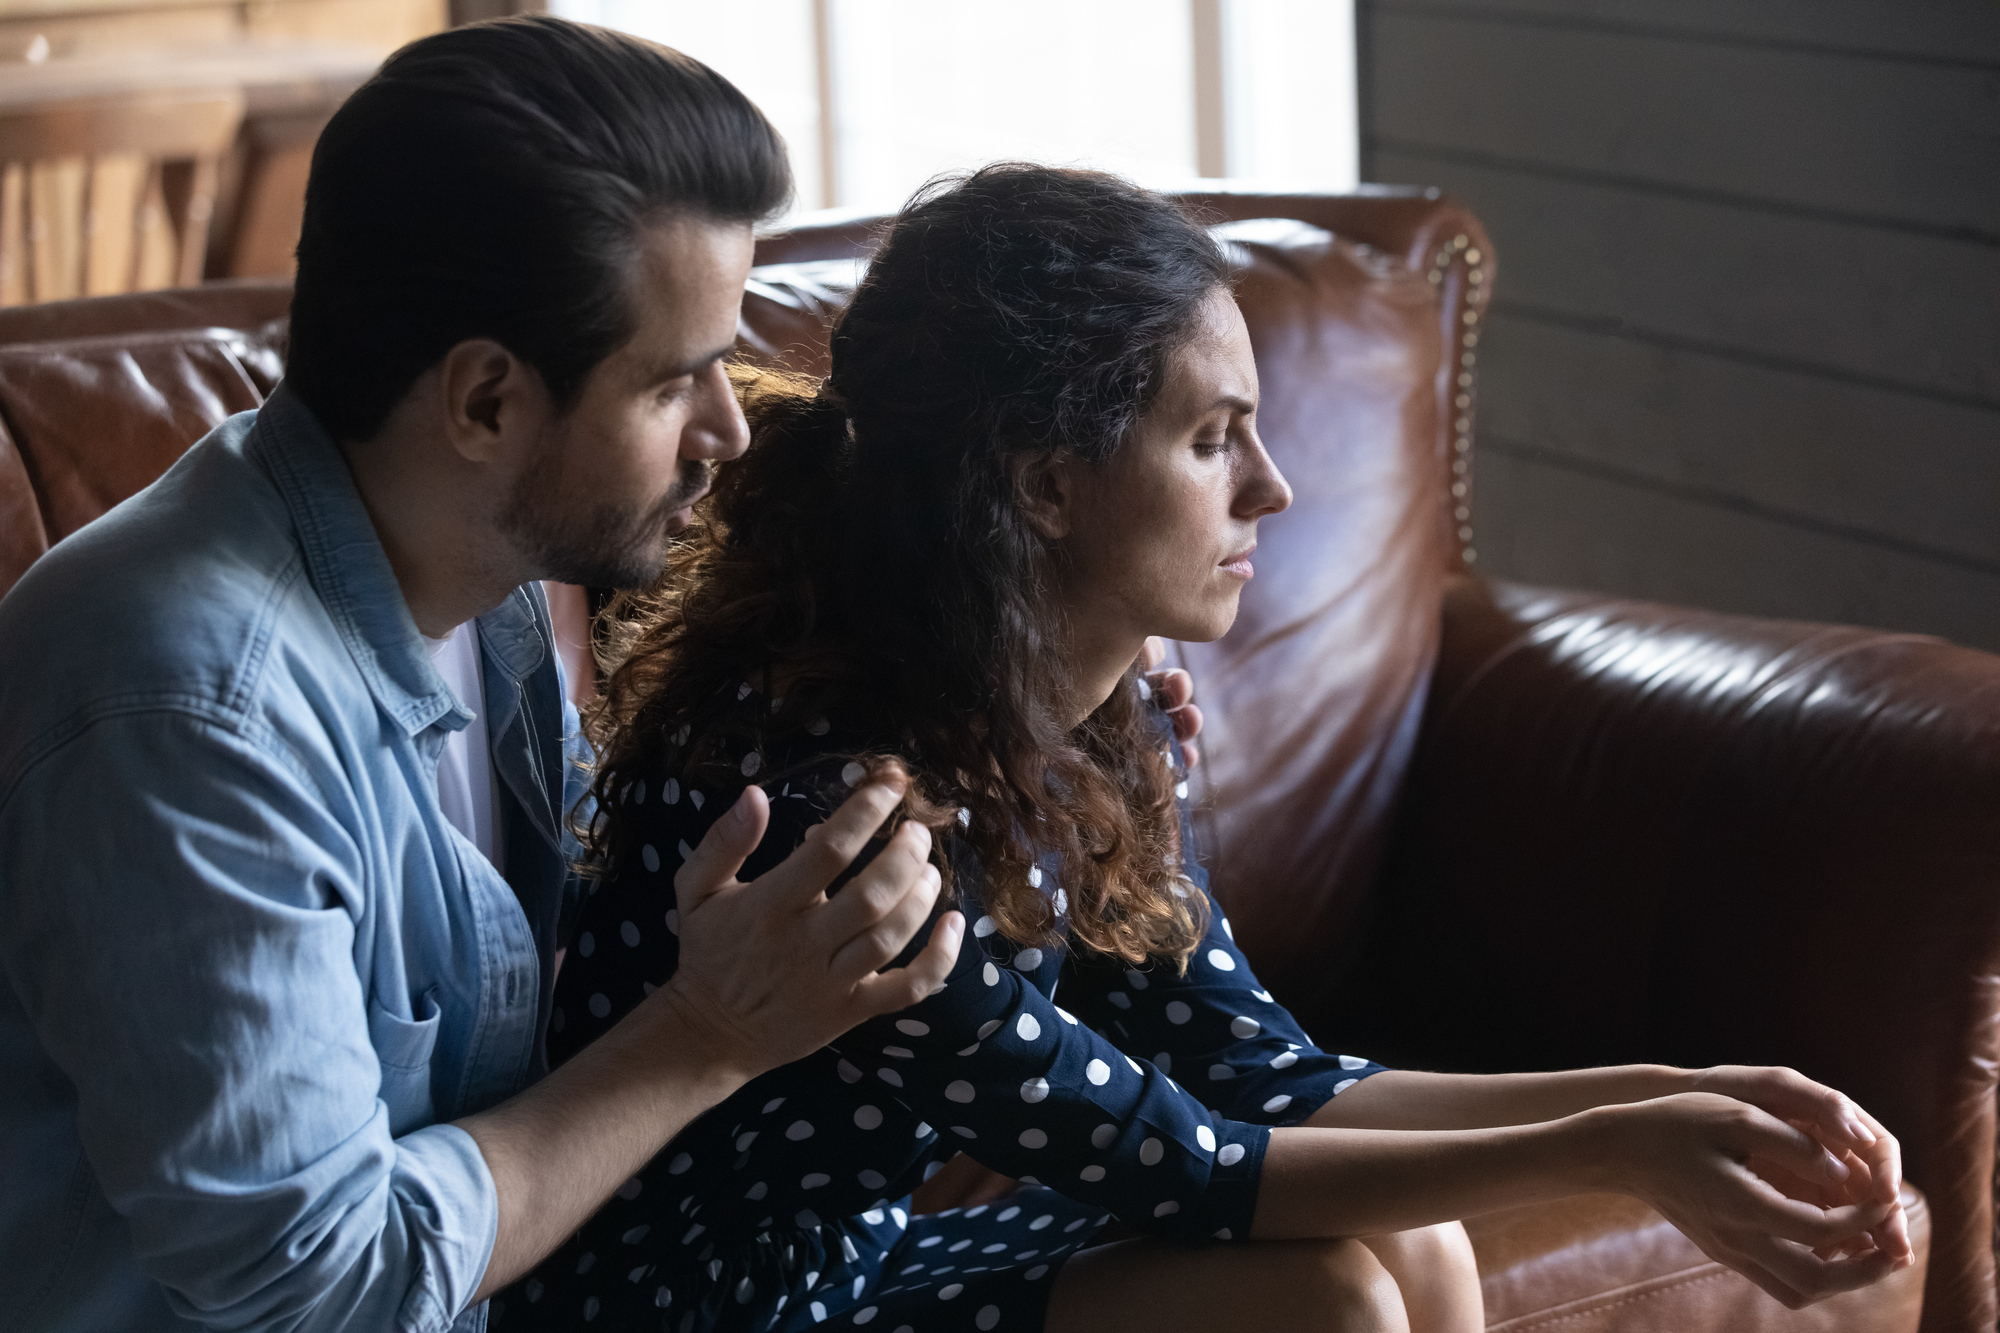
492	182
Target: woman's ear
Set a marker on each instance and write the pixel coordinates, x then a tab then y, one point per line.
1045	490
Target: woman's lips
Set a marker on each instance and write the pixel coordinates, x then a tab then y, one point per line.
1240	566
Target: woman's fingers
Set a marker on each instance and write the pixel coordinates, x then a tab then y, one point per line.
1884	1157
1153	653
1815	1278
1759	1134
1771	1213
1893	1237
1790	1095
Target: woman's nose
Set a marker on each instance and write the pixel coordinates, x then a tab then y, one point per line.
1265	490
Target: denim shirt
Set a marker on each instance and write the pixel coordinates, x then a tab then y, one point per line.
251	971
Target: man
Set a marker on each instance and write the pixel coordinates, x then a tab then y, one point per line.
270	1049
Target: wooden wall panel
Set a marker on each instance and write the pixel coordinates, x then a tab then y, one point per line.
1699	115
1950	31
1549	520
1746	348
1879	465
1883	304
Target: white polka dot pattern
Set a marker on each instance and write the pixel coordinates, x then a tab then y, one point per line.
985	1054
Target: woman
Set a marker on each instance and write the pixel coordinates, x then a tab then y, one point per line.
1037	447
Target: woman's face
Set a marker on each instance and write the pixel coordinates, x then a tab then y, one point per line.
1159	539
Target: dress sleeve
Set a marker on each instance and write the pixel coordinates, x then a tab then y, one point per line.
1240	1052
1011	1079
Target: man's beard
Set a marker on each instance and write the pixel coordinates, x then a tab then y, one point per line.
602	544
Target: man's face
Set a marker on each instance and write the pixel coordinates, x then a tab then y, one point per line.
615	476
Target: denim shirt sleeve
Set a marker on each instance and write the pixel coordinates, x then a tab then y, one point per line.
179	905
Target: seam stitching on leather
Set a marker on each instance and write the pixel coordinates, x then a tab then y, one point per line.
1546	1320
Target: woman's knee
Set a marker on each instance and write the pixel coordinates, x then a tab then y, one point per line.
1444	1248
1349	1289
1438	1274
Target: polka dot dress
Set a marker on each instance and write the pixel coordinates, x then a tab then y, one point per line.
1146	1095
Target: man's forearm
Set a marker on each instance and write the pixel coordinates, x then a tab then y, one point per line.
1411	1099
558	1150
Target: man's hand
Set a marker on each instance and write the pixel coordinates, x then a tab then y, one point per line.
769	972
774	969
1175	690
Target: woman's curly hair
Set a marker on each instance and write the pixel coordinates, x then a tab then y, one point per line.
868	558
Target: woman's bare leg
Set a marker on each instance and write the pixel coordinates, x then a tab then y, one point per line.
1437	1275
1150	1286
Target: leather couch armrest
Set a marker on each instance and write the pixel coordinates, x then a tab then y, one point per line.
1638	832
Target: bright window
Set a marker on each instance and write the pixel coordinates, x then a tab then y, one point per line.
876	96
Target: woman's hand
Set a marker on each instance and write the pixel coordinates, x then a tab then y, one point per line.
1874	1158
1176	691
1706	1162
1828	1115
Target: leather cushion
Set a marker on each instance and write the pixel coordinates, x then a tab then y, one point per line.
96	419
1597	1263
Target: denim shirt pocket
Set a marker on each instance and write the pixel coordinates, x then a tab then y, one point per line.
403	1049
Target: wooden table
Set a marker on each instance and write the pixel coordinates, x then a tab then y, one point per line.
289	92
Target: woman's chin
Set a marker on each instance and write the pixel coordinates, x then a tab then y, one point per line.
1206	628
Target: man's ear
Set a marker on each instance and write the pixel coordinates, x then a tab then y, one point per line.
1045	490
490	397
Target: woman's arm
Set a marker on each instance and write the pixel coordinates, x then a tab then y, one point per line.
1691	1156
1409	1099
1412	1099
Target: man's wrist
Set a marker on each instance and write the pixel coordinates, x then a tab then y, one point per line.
685	1037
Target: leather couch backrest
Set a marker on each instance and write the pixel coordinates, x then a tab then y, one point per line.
86	421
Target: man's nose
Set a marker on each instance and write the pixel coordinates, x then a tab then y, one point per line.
716	430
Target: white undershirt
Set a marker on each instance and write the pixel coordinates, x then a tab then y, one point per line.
465	766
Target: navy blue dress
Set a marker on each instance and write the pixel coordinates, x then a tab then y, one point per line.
1144	1095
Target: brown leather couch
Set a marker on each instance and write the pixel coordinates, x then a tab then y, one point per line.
1458	823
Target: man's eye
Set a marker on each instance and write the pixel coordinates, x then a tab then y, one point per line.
1207	447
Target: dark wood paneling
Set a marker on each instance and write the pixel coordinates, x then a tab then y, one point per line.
1939	31
1544	522
1910	472
1887	307
1746	351
1671	112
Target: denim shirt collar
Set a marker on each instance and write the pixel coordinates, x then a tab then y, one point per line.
351	572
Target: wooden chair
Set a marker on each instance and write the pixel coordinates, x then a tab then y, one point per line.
112	193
